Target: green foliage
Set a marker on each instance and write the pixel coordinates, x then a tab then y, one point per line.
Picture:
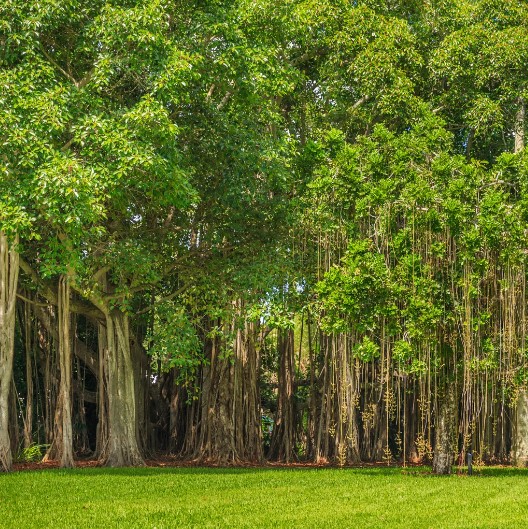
31	454
367	350
173	341
353	294
402	351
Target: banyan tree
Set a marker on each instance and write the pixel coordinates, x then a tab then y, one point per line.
238	232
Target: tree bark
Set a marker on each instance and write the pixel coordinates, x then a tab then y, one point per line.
225	425
81	440
29	343
123	449
142	374
520	431
177	413
322	403
101	443
216	437
62	445
47	360
520	427
252	413
9	267
347	437
88	357
283	437
445	432
14	430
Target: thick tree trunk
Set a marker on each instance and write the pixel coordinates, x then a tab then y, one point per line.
283	437
141	372
9	266
445	431
221	432
65	363
122	449
101	443
216	431
520	427
347	436
177	414
62	445
520	430
252	413
224	426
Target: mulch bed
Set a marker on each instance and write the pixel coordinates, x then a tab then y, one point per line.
174	462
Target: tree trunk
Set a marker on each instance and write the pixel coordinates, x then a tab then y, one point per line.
14	430
65	362
322	402
101	443
123	449
62	445
520	431
29	344
252	414
445	433
413	415
347	436
283	437
142	374
178	413
81	440
9	266
47	359
217	431
225	424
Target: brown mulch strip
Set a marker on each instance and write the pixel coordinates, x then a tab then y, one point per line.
174	462
84	463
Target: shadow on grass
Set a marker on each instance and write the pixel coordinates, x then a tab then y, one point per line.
483	472
374	471
228	471
503	472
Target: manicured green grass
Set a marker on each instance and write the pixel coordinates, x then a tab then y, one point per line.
242	498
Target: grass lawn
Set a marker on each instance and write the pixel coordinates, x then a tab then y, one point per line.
240	498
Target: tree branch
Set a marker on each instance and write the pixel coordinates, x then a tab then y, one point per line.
57	65
78	84
32	302
165	298
307	56
359	102
77	307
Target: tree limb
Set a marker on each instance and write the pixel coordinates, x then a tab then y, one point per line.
78	84
165	298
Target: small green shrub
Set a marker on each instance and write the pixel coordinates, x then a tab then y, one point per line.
34	452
